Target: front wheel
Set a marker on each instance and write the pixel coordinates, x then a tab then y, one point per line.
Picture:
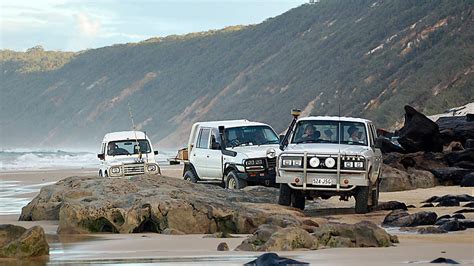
190	176
285	195
375	194
298	199
233	182
362	200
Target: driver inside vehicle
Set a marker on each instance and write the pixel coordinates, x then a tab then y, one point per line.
354	134
310	134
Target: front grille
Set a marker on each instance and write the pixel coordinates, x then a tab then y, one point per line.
271	163
133	169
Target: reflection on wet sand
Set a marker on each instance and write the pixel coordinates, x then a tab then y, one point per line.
14	195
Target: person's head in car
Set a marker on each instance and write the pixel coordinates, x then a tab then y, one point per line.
354	133
310	133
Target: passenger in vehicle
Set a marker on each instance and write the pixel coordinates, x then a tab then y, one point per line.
354	134
328	134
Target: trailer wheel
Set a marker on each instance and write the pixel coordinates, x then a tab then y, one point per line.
190	176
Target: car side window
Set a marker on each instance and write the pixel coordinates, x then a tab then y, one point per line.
203	139
371	133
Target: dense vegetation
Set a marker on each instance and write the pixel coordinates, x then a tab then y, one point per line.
367	57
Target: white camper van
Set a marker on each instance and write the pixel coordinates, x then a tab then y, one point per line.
127	153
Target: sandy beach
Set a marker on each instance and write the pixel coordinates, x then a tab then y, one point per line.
19	187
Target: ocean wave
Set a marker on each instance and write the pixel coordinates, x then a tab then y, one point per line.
24	159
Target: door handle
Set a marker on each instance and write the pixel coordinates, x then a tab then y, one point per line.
194	154
207	156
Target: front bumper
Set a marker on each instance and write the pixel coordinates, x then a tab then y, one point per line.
261	178
133	169
337	179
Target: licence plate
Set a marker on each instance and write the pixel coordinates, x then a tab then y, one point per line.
322	181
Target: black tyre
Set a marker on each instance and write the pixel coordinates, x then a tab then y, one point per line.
362	200
298	199
190	176
285	195
375	194
100	173
233	182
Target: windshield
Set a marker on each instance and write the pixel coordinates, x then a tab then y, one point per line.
251	135
128	147
322	131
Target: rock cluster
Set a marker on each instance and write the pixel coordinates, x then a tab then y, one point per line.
428	155
19	242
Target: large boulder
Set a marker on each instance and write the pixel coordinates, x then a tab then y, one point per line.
419	133
468	180
273	259
331	235
18	242
456	128
387	146
394	179
401	218
459	157
418	160
151	204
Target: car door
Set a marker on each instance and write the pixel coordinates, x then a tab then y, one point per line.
199	154
214	156
377	151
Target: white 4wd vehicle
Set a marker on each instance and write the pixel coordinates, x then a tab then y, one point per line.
237	153
127	153
328	156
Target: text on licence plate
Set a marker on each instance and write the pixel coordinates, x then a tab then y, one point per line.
322	181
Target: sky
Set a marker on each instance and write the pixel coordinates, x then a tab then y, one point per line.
73	25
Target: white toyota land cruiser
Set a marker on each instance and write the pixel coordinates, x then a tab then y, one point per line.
127	153
237	153
327	156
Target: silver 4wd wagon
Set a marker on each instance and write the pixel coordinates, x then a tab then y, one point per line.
327	156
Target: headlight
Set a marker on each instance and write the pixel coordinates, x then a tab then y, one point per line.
293	162
353	162
271	153
314	162
252	162
115	170
330	162
348	164
151	168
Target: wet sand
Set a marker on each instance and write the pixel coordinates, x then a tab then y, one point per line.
196	250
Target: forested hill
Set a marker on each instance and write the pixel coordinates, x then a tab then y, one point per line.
371	57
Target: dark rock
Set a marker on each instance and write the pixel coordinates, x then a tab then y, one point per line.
468	180
442	221
446	216
419	133
448	203
418	160
431	199
459	216
444	260
459	156
268	259
453	225
31	243
391	205
461	129
427	205
411	206
467	223
450	175
10	232
464	211
431	230
469	144
222	247
465	165
469	205
387	146
460	198
401	218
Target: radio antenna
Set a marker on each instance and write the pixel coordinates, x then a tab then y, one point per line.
135	132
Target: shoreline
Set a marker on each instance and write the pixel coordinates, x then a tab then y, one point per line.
144	248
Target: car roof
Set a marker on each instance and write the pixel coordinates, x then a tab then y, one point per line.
230	123
336	118
124	135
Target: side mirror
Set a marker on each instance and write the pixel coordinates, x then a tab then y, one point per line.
101	156
155	152
215	145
